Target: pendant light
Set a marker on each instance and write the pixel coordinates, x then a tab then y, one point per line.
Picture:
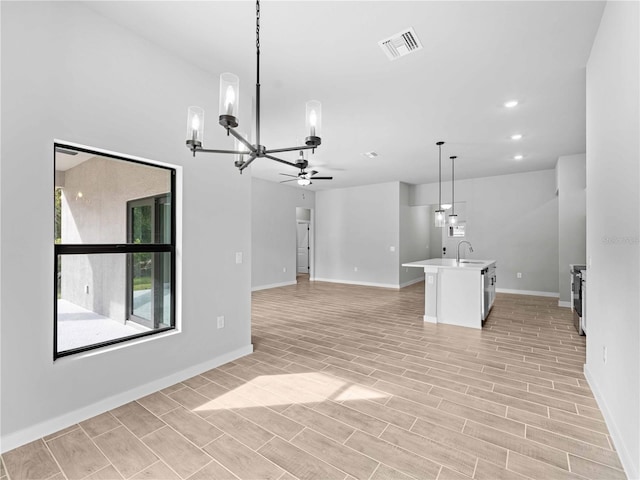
439	213
453	218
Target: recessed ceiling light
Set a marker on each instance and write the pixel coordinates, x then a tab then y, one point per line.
518	157
370	154
511	103
516	136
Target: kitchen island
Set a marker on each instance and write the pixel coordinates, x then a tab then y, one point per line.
457	293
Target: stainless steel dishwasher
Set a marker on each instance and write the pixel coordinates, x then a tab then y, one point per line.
488	290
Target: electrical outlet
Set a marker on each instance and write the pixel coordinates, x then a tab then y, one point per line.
519	274
355	269
604	355
284	269
221	321
238	257
392	249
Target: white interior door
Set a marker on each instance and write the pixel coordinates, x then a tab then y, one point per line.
303	248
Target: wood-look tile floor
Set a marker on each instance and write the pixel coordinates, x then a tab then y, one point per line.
348	382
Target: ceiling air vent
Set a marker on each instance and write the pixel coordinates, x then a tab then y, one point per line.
401	44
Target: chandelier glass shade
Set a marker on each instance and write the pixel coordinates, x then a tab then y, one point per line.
228	111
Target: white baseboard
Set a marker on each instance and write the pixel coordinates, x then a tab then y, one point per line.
364	284
528	292
273	285
39	430
625	456
564	304
411	282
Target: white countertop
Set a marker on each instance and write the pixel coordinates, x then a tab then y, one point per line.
466	263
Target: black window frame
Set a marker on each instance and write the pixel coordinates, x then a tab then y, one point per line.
61	249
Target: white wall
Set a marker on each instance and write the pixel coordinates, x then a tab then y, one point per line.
273	232
512	219
69	74
571	173
356	228
613	227
415	228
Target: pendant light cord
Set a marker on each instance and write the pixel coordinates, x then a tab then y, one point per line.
440	176
453	198
258	36
258	73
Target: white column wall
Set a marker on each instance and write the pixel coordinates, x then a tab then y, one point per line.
613	227
572	219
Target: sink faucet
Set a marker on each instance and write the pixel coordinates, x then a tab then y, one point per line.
458	252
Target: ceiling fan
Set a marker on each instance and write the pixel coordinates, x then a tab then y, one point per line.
304	178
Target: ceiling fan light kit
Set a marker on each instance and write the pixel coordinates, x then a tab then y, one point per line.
245	152
304	178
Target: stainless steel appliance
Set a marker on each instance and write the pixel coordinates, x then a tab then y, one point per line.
488	290
578	295
583	302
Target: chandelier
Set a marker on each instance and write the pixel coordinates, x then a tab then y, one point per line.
245	152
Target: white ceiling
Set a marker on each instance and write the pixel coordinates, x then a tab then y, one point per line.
476	56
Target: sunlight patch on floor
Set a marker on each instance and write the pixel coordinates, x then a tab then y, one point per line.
294	388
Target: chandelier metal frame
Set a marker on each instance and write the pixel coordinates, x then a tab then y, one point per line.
230	122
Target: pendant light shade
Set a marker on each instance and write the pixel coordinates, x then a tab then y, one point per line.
229	97
195	126
313	121
439	216
242	150
453	218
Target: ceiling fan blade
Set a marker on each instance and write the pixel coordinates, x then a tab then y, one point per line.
313	172
322	178
287	175
292	180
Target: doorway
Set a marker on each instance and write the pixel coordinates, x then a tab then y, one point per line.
303	248
304	244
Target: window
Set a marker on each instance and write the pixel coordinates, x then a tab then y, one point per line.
114	244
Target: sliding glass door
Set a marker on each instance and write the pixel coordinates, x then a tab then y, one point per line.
149	273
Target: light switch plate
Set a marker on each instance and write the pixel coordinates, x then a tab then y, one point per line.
238	257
